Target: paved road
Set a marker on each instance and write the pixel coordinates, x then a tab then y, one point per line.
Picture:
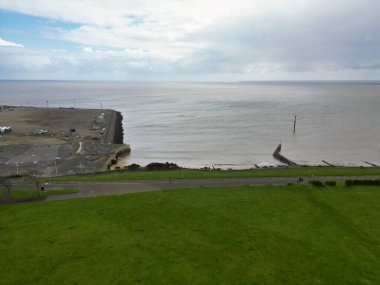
94	189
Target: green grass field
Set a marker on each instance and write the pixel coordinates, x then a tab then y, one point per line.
192	174
247	235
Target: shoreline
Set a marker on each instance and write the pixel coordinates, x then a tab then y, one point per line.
124	161
128	159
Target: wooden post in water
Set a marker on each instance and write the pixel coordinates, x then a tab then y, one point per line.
294	126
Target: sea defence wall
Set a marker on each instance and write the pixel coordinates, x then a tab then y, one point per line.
118	150
116	134
119	133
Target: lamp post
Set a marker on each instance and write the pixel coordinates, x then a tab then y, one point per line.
55	163
18	163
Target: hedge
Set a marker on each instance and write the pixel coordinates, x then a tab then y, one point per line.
363	182
330	183
316	183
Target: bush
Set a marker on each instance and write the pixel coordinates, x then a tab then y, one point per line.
330	183
316	183
133	167
349	183
363	182
162	166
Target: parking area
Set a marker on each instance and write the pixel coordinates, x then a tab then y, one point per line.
53	141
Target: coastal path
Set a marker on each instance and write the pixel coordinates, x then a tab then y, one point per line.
94	189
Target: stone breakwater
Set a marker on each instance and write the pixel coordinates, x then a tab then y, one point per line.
119	132
277	155
116	136
114	128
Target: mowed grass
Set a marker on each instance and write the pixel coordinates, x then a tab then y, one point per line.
193	174
246	235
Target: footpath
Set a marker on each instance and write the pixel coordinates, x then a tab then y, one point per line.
94	189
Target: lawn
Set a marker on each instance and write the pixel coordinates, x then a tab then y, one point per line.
246	235
192	174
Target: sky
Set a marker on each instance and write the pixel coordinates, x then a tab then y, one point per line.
190	40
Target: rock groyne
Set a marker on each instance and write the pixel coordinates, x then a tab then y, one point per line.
115	133
115	137
277	155
118	136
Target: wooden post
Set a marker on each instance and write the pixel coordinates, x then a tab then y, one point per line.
294	126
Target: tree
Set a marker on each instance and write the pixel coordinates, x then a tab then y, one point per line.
6	183
36	180
133	167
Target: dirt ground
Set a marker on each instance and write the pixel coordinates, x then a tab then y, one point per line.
57	121
59	151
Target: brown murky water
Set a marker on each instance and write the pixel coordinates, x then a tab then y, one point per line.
227	125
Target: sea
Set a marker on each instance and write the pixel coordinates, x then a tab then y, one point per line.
226	125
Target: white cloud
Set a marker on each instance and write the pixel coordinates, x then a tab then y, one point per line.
4	43
245	38
87	49
121	13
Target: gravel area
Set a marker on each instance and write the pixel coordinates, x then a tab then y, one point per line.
60	150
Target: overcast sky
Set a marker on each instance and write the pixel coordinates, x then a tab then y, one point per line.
194	40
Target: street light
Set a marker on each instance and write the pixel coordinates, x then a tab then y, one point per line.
17	166
81	166
55	163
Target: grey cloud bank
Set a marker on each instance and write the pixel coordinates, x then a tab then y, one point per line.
297	40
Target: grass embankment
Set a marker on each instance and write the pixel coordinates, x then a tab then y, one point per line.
248	235
193	174
20	194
